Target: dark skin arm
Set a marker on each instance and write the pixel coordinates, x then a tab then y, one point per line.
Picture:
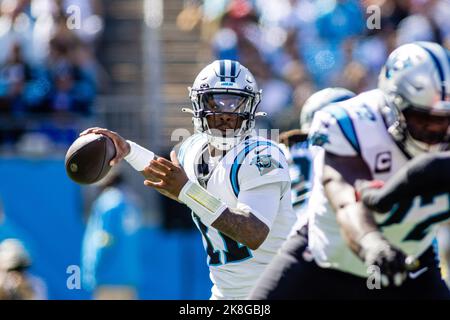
339	176
357	223
168	178
243	227
239	225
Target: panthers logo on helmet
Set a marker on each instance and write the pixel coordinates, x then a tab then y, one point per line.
398	62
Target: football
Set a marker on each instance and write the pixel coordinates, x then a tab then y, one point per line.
87	159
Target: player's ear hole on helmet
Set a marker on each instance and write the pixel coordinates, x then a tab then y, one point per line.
426	127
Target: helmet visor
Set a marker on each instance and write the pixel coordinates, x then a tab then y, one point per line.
225	102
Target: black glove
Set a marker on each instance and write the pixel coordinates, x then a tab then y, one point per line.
391	261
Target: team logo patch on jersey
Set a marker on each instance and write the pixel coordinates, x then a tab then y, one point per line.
265	163
319	139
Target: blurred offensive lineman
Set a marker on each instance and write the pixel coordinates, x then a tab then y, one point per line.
296	149
300	158
236	184
372	136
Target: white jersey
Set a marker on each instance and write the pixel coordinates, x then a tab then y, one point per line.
234	268
356	127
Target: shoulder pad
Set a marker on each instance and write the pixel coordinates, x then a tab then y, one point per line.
334	130
258	162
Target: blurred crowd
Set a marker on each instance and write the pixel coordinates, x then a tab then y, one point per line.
47	70
296	47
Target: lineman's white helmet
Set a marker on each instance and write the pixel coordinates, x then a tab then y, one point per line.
416	83
320	100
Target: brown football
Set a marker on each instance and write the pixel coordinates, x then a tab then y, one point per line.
87	160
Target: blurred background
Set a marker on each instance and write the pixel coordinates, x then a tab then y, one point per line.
66	65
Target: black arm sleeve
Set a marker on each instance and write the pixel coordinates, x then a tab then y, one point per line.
427	174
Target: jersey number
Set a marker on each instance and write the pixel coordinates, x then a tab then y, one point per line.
429	207
234	251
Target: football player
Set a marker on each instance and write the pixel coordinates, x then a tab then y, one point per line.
372	136
426	176
296	149
236	183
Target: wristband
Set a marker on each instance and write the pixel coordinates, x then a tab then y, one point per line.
207	207
139	157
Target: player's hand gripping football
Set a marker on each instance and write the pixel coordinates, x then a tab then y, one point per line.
169	176
122	146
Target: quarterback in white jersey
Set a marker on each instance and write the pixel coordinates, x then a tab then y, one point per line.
237	184
243	178
247	173
372	136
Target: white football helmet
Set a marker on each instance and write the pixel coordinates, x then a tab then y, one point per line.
416	82
224	87
320	100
